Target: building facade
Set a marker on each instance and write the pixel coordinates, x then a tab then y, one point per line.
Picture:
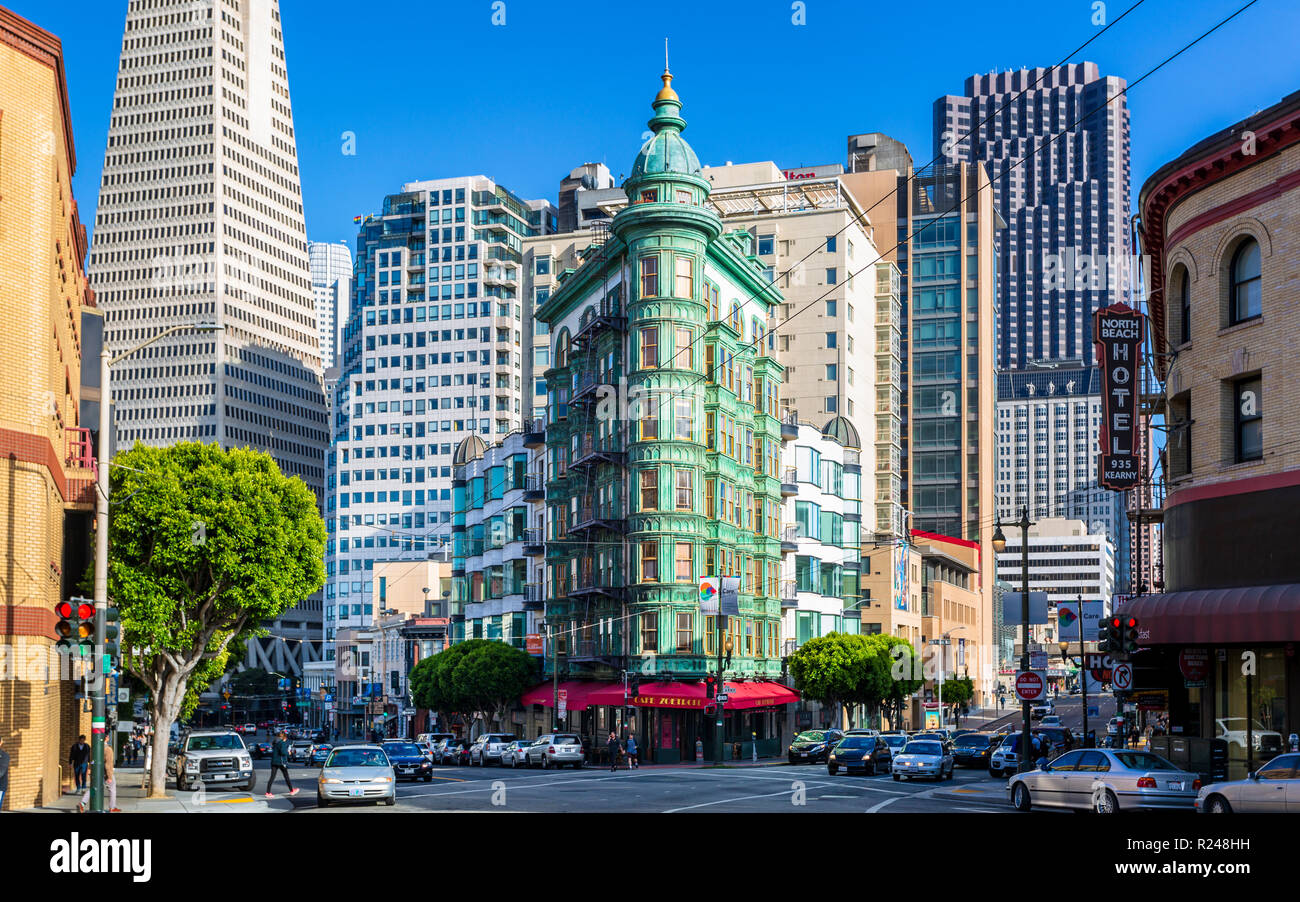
1219	224
1064	203
200	219
46	469
1066	561
663	454
331	285
434	351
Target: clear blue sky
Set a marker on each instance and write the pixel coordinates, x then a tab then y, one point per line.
434	89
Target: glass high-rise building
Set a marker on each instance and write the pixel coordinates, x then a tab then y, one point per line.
434	351
331	284
1066	204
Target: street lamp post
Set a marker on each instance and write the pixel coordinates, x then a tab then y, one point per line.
106	361
999	545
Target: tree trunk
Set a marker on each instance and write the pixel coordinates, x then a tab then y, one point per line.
165	707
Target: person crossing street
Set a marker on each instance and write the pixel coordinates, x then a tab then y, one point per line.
615	750
280	762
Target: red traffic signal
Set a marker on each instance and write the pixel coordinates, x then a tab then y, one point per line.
75	627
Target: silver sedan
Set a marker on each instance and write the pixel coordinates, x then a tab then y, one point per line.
1273	789
516	753
924	758
356	773
1106	781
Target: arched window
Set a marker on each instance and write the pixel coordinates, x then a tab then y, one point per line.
1244	285
1182	283
562	350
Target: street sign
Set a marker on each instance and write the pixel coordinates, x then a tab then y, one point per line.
123	696
1030	686
1122	678
533	644
562	694
1195	666
722	697
1038	660
1012	612
1096	661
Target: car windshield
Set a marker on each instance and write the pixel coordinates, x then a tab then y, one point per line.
923	748
402	748
858	742
811	736
1143	761
357	758
894	741
971	741
209	743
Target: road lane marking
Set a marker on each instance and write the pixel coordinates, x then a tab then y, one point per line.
766	795
874	808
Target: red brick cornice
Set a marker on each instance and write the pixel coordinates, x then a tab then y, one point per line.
37	449
43	47
26	620
1209	162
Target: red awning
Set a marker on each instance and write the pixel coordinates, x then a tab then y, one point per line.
1265	614
581	693
692	695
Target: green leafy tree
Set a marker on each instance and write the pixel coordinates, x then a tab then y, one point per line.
253	681
905	674
185	602
840	669
957	693
431	682
476	677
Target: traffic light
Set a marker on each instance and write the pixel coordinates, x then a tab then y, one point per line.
75	627
1129	639
710	686
107	630
636	685
1108	639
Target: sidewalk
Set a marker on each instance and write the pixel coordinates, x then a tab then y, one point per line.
130	798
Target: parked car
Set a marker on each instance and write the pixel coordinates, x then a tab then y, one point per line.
428	740
860	754
408	760
1106	782
356	773
488	748
299	750
555	750
1005	757
515	753
453	751
1273	789
924	758
813	746
1233	730
320	753
972	749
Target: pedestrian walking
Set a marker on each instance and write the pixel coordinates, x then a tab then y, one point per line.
612	745
110	782
280	762
4	773
79	758
632	760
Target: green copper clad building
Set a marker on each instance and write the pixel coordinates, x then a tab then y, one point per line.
663	449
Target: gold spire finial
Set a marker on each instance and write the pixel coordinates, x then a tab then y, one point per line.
666	92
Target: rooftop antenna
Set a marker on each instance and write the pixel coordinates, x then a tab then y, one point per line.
665	54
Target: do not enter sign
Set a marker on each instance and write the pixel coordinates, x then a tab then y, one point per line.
1030	686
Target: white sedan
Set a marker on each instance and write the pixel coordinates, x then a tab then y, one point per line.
1273	789
924	758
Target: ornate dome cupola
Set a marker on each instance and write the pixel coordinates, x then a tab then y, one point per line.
667	169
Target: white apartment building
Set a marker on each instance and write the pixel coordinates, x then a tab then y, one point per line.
433	352
331	284
1065	560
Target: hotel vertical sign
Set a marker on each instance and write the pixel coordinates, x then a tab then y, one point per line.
1119	333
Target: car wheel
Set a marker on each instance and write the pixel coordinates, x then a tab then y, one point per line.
1217	805
832	769
872	772
1020	797
1106	803
391	800
546	763
898	777
428	778
321	801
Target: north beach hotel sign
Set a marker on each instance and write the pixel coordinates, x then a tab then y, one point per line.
1119	333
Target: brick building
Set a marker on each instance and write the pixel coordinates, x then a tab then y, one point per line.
1221	224
46	494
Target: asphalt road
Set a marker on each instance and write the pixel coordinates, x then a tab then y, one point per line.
780	788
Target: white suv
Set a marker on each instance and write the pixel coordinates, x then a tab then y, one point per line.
211	757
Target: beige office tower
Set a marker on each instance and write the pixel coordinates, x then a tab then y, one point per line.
941	226
200	219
